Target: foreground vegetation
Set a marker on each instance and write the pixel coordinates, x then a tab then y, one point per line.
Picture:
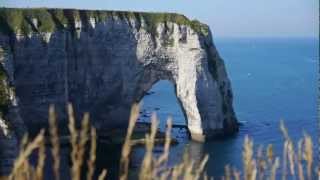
296	161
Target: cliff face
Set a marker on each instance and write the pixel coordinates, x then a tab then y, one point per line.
103	61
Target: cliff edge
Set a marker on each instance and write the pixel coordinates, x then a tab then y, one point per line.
103	62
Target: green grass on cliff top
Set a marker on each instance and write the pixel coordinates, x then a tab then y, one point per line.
13	20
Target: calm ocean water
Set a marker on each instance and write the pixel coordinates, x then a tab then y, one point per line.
272	79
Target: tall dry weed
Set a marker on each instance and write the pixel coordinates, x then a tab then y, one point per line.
297	161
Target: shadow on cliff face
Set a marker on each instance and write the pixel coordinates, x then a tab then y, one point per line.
95	71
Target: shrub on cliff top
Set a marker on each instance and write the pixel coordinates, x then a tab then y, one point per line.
153	19
59	15
45	21
11	20
4	91
20	20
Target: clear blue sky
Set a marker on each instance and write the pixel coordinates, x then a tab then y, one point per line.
227	18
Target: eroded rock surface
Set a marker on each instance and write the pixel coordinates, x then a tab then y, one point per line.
104	61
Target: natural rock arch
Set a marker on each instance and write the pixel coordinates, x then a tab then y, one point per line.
197	91
103	64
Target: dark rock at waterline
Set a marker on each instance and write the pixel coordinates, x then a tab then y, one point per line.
267	124
149	93
145	115
157	150
240	123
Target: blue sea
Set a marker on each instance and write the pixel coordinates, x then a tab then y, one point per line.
273	79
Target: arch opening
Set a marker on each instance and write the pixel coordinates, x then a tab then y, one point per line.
161	98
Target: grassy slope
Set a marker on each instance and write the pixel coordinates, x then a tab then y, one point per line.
14	20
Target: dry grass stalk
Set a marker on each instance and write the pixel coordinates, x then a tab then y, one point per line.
126	148
262	165
188	171
177	171
248	161
274	168
284	160
153	167
227	172
103	175
164	175
73	139
161	162
288	152
92	158
308	154
284	130
41	161
300	165
84	137
21	165
78	141
148	166
187	167
201	167
254	170
270	154
164	157
236	174
291	157
54	138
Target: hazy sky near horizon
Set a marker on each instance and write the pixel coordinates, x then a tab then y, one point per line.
226	18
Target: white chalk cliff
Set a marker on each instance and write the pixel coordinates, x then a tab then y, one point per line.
104	61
